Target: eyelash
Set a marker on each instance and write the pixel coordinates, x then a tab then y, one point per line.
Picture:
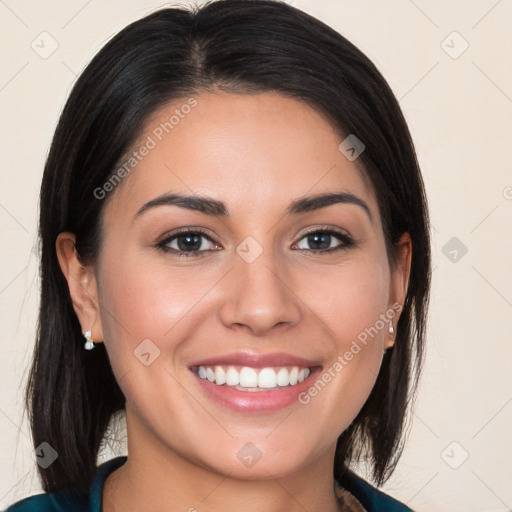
347	242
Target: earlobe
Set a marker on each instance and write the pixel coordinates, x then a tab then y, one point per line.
81	284
391	338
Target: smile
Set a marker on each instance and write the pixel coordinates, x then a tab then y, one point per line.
253	379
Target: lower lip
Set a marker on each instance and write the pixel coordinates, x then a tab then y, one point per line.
257	401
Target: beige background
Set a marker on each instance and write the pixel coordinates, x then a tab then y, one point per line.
459	107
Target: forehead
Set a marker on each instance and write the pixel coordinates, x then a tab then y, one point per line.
252	151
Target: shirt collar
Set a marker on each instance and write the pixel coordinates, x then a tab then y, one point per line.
101	476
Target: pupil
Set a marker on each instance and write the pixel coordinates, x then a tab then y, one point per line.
192	242
316	238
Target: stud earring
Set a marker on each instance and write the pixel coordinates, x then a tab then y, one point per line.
391	330
89	343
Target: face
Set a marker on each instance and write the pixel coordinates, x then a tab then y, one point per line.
238	285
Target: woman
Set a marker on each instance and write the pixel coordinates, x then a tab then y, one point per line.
235	253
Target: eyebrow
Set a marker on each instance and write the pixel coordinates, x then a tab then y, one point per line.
210	206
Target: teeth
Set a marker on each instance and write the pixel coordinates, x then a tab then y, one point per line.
248	377
232	377
267	378
283	377
253	378
220	375
210	375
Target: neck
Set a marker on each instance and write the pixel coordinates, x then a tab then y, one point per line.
163	478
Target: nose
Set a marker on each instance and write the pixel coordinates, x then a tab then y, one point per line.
259	297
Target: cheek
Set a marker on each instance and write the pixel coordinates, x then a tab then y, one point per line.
147	312
150	307
350	301
349	298
141	300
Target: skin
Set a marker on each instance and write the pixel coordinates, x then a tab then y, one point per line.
257	153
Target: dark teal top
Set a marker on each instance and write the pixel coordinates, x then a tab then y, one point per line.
370	498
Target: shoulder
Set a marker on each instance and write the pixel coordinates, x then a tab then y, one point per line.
371	498
71	500
51	502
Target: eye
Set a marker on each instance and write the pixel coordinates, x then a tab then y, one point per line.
324	240
190	243
193	243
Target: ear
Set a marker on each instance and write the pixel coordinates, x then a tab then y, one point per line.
82	286
399	280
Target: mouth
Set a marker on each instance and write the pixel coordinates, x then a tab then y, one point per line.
246	378
249	382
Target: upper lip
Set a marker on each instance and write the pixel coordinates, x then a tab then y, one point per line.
257	360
